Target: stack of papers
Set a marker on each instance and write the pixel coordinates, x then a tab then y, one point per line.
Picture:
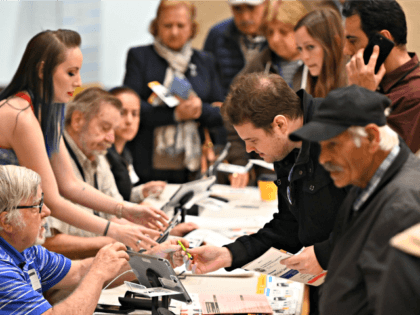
269	263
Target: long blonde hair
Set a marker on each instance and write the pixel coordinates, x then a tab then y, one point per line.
325	26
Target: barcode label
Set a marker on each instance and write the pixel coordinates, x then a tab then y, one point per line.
212	307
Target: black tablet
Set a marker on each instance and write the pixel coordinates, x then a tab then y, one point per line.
155	272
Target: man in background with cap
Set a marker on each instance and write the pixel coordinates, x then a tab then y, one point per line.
359	149
237	40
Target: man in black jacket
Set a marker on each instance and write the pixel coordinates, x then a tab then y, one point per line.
264	110
359	149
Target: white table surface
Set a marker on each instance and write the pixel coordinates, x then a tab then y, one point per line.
242	203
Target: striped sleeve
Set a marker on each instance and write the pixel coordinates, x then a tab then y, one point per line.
52	267
17	295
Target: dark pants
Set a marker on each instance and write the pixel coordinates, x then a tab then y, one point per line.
314	295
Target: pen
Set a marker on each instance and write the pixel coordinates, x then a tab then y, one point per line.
185	250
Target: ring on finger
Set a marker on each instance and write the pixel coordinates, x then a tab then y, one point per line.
138	242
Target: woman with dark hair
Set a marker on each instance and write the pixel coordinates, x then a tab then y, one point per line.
119	157
121	161
168	145
31	124
319	37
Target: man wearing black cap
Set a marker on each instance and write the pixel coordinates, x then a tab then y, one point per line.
359	149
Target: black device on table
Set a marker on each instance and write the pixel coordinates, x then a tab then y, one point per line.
151	272
113	309
385	47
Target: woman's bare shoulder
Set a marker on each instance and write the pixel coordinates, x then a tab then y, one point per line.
15	112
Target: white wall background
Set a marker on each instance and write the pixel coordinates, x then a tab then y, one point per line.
111	27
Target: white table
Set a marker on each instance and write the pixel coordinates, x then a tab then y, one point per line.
243	203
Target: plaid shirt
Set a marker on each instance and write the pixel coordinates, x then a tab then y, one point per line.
364	194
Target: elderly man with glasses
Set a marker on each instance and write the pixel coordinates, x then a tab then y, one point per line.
27	270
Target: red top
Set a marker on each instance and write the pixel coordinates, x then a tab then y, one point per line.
25	97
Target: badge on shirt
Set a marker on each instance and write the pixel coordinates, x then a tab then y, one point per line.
34	279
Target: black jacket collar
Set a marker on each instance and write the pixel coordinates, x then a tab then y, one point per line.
307	103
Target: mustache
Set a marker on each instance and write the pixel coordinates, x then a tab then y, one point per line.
246	23
329	167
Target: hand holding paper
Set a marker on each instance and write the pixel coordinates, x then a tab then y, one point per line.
270	264
305	262
189	109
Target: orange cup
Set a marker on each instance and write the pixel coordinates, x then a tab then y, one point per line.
268	190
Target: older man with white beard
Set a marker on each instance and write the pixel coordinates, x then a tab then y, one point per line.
90	121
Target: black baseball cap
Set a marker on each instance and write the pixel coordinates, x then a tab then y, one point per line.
341	109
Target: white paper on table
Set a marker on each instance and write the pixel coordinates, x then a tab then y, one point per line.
237	273
228	223
178	307
234	303
232	168
212	204
149	292
269	263
262	163
208	236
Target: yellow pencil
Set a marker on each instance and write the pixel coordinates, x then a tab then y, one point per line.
185	250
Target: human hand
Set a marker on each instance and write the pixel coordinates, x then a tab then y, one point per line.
189	109
305	262
109	260
364	75
153	188
135	236
183	228
169	250
147	216
239	180
207	259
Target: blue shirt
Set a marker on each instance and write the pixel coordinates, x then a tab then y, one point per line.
8	156
25	276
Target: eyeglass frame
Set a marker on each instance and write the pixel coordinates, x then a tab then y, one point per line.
41	203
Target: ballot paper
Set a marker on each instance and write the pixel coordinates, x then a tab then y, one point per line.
262	163
269	263
234	304
284	296
163	93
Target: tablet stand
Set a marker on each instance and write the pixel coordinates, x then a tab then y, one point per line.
158	307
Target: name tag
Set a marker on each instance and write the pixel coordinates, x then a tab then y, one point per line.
36	285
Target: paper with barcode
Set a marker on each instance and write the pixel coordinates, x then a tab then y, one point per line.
269	263
234	303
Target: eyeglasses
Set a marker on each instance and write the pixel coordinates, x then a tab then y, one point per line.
41	203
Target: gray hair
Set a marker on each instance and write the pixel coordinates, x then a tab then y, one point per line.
89	102
388	137
17	184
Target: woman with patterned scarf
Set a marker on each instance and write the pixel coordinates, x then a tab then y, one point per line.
168	146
